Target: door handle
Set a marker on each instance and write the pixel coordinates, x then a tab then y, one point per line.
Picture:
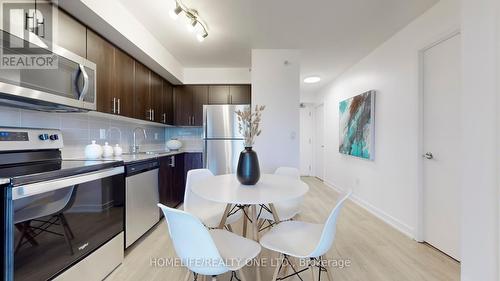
119	106
114	106
428	156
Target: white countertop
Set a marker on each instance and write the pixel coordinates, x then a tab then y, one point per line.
130	158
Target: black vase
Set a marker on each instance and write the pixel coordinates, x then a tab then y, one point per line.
248	171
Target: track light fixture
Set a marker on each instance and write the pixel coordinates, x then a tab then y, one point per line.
193	19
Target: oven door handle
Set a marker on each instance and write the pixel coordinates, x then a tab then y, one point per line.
47	186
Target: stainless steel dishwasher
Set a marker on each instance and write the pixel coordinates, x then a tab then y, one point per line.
141	197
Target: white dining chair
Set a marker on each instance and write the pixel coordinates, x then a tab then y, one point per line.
288	209
304	241
210	213
207	252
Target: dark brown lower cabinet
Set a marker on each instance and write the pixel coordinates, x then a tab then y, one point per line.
172	180
192	160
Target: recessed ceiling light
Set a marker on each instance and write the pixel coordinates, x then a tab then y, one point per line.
312	79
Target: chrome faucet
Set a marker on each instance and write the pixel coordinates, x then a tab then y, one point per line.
135	147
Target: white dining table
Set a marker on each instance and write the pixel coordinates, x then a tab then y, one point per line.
269	190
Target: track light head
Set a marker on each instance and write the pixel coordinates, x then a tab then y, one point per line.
174	14
201	36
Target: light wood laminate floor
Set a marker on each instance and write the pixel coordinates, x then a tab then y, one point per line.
376	251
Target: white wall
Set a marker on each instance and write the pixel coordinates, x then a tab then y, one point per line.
217	76
276	85
388	185
481	139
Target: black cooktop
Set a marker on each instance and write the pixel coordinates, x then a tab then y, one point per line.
26	173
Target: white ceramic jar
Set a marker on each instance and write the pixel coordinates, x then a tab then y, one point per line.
107	150
117	150
174	144
93	151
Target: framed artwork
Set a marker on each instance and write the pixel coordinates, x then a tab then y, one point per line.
357	126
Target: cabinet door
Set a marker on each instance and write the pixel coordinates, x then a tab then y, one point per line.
183	103
156	97
71	34
165	182
124	83
200	98
179	178
218	94
168	103
142	97
101	52
240	94
192	160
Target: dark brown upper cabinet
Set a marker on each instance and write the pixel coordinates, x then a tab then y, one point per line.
183	103
229	94
240	94
124	83
200	98
168	103
101	52
156	90
71	34
218	94
142	95
188	103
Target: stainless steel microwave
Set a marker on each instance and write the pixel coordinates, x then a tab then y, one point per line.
70	85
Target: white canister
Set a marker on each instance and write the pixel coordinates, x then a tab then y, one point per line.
117	150
174	144
93	151
107	150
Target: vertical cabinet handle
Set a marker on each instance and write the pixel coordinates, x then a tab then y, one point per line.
114	106
153	115
119	106
164	118
172	161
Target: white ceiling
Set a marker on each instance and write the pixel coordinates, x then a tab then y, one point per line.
332	34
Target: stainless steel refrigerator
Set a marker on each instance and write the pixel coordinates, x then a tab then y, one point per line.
222	141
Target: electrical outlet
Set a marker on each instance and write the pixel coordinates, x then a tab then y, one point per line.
102	134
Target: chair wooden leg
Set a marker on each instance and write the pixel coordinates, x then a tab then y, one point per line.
255	223
245	222
286	266
311	267
187	275
277	270
275	213
242	275
224	216
258	276
328	271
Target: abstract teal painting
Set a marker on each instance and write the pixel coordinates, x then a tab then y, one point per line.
357	130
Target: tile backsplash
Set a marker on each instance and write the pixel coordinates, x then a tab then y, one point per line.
79	129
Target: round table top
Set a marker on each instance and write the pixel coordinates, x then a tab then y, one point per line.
270	189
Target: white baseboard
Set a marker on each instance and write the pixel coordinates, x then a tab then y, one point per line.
390	220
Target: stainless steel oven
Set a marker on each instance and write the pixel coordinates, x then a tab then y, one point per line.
57	212
69	86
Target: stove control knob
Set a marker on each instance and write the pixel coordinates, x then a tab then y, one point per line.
54	137
43	137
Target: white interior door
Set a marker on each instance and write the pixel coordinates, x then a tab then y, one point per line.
441	207
306	140
319	143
